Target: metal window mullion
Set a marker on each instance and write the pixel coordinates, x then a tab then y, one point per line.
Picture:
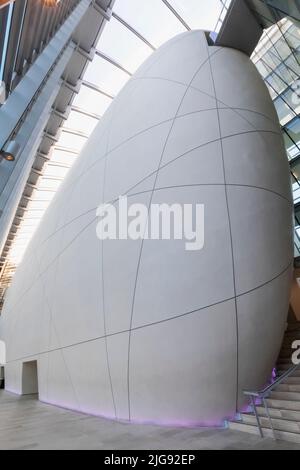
112	61
134	31
176	14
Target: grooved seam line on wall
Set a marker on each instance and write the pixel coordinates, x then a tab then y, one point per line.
230	233
151	197
175	317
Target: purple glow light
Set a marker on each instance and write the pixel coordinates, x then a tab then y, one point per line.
174	423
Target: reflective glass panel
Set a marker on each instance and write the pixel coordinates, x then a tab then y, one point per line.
153	19
81	122
71	141
92	101
119	43
106	76
199	15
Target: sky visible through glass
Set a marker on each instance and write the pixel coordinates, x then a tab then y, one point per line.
156	23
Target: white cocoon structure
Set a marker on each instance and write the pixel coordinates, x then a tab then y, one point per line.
146	330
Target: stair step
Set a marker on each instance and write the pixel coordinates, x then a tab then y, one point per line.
283	360
288	340
293	324
292	334
286	366
287	388
291	415
278	423
283	404
291	380
296	372
286	396
287	350
281	365
286	436
285	354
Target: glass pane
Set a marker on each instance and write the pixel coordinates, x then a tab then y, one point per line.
296	196
119	43
293	65
64	158
295	185
49	183
92	101
40	205
295	167
56	171
8	10
285	114
29	223
81	122
292	99
199	15
271	59
294	130
282	49
43	195
291	148
287	73
271	91
153	19
293	37
71	141
35	214
262	68
276	83
106	76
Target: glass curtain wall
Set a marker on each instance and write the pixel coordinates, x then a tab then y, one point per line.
277	58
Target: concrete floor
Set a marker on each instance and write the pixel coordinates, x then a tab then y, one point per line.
26	423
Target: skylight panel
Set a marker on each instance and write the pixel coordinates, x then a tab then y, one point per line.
197	14
152	19
106	76
120	44
72	141
92	101
61	157
81	122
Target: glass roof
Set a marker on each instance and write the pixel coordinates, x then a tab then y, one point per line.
277	58
136	28
119	43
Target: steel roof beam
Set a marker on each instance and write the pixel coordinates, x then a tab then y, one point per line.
175	13
134	31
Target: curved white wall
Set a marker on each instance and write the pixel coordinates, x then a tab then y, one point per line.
150	331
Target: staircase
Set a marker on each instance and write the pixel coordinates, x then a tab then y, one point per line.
283	401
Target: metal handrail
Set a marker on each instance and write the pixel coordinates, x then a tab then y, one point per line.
262	394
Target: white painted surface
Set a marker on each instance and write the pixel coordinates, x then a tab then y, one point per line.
180	347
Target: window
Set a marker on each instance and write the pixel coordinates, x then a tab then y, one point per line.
285	114
106	76
151	19
119	43
92	101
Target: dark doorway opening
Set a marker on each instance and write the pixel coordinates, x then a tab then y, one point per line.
30	378
2	381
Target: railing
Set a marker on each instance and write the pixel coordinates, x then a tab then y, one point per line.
262	396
